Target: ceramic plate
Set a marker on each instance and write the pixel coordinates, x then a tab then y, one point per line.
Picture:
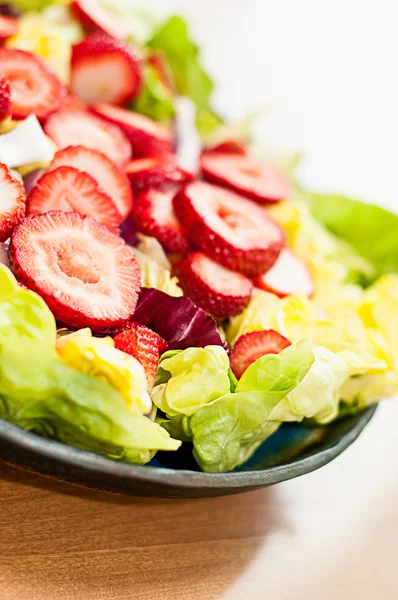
292	451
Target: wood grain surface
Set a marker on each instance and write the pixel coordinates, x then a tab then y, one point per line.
329	535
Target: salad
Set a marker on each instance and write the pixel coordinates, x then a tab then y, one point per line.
149	298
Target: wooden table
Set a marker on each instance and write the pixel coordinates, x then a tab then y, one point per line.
332	535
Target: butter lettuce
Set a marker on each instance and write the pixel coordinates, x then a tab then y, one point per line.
41	393
155	267
155	100
371	230
190	379
100	358
227	431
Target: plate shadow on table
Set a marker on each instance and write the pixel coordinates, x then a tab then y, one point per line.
58	541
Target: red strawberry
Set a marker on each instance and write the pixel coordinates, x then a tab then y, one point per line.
70	126
109	177
153	213
87	275
70	190
5	100
94	16
105	70
71	101
247	176
147	137
252	346
153	172
145	345
34	88
12	202
229	228
228	147
289	275
8	27
212	287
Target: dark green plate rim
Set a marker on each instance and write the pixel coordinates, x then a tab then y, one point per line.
57	460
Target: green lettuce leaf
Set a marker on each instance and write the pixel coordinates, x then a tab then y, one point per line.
190	379
155	100
174	39
371	230
226	432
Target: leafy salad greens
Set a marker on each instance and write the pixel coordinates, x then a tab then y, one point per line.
89	388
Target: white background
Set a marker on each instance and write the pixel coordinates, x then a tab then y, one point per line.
329	69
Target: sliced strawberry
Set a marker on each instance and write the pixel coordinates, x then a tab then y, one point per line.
87	275
105	70
229	228
34	88
8	27
94	16
147	137
71	101
70	190
5	99
108	175
252	346
247	176
154	172
12	202
289	275
212	287
71	126
145	345
153	213
228	147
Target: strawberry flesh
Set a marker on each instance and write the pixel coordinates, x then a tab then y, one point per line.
143	344
147	137
8	27
70	190
154	172
5	99
87	275
105	70
211	286
289	275
71	126
252	346
230	229
12	202
153	214
247	176
95	16
34	88
107	174
228	147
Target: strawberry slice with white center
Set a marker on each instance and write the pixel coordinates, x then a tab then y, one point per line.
289	275
105	70
153	172
228	147
252	346
71	126
12	202
147	137
8	27
70	190
108	175
34	88
247	176
87	275
232	230
211	286
153	214
94	16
